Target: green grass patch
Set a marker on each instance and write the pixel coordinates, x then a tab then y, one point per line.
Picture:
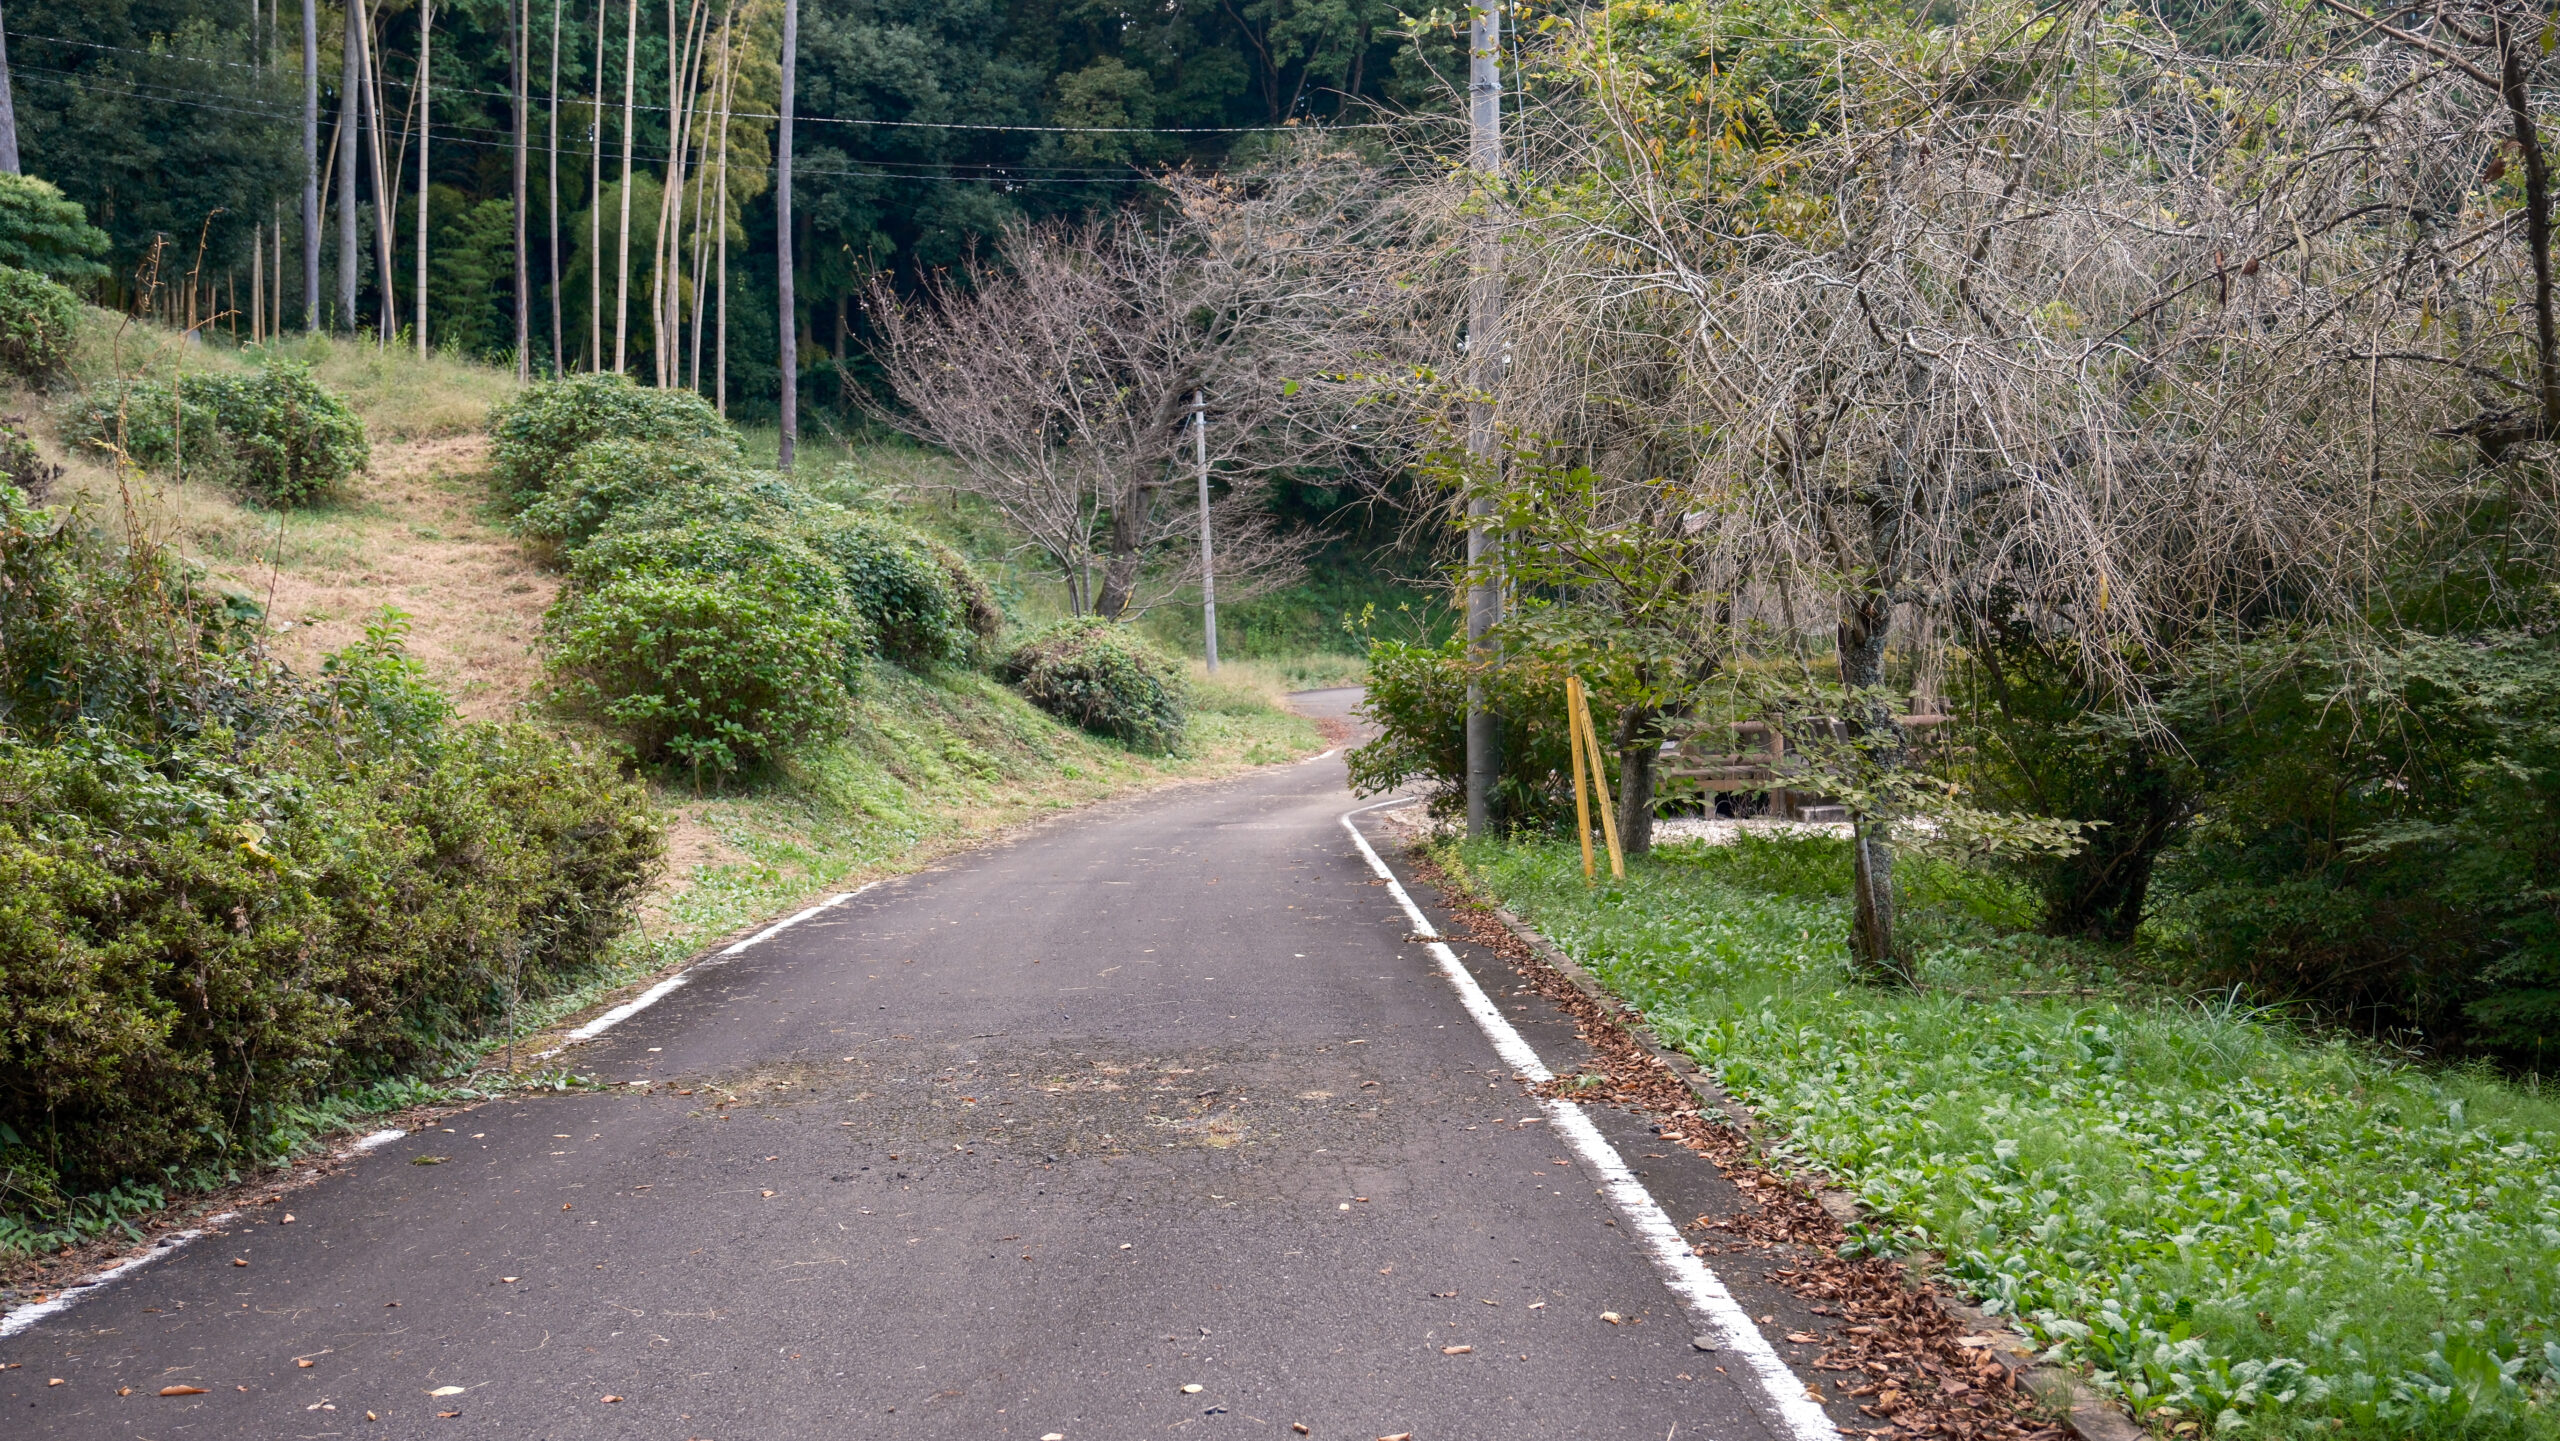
2239	1228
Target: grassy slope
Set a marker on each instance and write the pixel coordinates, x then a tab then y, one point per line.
927	763
2242	1229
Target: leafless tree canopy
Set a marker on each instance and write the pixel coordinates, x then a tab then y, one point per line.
1061	378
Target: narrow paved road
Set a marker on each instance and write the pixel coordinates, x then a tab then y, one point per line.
1161	1097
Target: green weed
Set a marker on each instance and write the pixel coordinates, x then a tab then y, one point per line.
2229	1222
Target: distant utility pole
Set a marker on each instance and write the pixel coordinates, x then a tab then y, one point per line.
1484	373
310	167
622	242
782	240
1208	552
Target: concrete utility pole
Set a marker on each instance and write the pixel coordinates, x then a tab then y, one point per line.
310	168
350	120
782	240
1484	373
1208	552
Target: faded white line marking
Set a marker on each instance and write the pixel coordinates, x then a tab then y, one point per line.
22	1317
1783	1394
668	987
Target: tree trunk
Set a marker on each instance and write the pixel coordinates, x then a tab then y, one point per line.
8	109
551	193
1865	621
310	168
788	304
595	209
426	94
1120	571
349	150
523	38
1638	750
622	240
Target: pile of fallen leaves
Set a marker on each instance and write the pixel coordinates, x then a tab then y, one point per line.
1893	1340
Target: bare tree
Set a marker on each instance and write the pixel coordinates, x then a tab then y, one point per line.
1060	379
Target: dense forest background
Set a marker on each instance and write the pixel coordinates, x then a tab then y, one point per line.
925	127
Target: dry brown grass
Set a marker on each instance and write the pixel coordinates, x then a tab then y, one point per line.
413	534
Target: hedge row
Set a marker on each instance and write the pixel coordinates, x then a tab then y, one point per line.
714	614
226	890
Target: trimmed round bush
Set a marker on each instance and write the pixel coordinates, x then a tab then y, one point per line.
537	433
39	326
286	440
610	476
893	577
1099	676
709	672
276	435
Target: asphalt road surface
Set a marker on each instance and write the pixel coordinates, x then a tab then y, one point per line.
1155	1122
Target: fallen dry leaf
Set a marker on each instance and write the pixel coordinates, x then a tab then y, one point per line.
369	1416
1613	1318
510	1280
446	1391
447	1415
56	1381
236	1261
565	1206
609	1400
1191	1390
768	1195
306	1364
1399	1436
1801	1339
1298	1426
182	1390
124	1390
288	1219
1456	1350
426	1160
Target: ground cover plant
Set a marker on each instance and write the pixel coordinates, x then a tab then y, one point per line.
2239	1228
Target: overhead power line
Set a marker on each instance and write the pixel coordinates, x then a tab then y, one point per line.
440	89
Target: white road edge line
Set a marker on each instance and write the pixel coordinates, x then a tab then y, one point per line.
1320	755
1690	1279
667	987
22	1317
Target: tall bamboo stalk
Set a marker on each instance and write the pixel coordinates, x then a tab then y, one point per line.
622	240
424	97
666	250
559	364
595	209
311	171
342	158
785	303
523	39
385	183
720	344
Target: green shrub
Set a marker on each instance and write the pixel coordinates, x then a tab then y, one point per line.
276	435
1417	693
44	232
612	475
1099	676
39	325
711	672
285	439
537	433
980	611
226	891
902	588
